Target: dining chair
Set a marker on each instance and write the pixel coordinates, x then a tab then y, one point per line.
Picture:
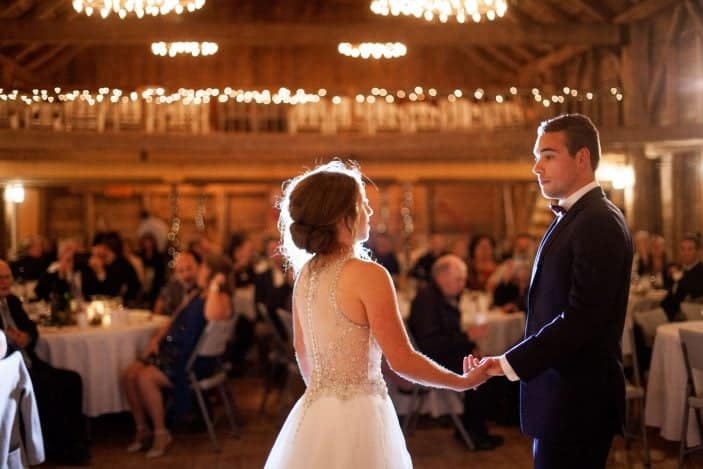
634	393
213	344
692	347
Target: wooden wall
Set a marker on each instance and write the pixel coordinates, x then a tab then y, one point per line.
453	208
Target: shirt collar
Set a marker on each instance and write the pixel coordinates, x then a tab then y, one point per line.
573	198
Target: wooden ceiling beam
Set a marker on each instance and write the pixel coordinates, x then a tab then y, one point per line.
61	60
593	9
502	57
44	58
642	10
696	14
658	77
557	57
303	34
16	8
487	66
197	173
17	70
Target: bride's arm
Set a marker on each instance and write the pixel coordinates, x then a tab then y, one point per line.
379	299
299	345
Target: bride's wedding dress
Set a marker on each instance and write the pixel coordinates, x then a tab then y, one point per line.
345	418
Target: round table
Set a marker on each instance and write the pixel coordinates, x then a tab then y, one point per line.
667	384
100	355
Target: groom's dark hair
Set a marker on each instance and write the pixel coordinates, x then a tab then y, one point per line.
580	133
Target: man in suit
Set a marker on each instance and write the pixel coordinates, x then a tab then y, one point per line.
59	392
689	280
572	390
435	323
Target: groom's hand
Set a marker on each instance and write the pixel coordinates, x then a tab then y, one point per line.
494	368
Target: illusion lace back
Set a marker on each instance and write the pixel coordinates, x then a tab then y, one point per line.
345	418
345	358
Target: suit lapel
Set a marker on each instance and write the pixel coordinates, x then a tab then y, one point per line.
553	233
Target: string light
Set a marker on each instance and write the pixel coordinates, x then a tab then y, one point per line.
442	9
139	8
373	50
173	49
158	95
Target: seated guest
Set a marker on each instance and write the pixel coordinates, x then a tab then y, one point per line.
657	265
164	360
154	264
688	280
109	272
59	393
31	262
273	284
522	252
422	270
185	275
482	262
435	322
385	255
511	291
241	252
61	278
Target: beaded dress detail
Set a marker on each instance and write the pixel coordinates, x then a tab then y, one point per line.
345	418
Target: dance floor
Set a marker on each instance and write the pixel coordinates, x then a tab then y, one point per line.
431	446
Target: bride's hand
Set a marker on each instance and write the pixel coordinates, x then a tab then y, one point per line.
475	371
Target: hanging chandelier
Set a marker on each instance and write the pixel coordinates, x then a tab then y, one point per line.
123	8
442	9
375	50
173	49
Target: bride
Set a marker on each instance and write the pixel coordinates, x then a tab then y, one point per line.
345	316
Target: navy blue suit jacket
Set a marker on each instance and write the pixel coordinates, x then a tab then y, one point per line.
570	362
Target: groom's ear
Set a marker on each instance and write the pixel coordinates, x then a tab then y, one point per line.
583	158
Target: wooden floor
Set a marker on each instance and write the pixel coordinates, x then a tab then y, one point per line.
431	446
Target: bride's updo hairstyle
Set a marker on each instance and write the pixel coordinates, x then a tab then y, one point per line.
312	205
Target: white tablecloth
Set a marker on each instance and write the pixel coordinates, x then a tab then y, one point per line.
502	332
99	355
667	384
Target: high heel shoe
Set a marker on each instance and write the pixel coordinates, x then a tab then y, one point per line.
141	439
165	438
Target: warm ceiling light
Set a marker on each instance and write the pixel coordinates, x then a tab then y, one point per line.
139	8
173	49
442	9
375	50
14	193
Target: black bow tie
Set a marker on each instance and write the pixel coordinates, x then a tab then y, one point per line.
558	210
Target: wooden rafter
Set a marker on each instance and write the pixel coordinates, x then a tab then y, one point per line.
61	60
543	11
592	9
16	8
484	64
17	70
299	34
554	58
502	57
44	58
658	78
696	14
642	10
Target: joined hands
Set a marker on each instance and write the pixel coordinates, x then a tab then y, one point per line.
478	371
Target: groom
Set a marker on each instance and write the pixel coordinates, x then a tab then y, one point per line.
572	390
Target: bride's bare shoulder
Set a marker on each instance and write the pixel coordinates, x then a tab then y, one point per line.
365	270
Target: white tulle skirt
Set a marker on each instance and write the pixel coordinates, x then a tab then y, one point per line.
361	432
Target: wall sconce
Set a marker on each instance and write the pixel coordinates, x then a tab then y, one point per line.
14	193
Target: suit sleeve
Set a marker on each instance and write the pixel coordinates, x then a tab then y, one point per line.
600	250
23	322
